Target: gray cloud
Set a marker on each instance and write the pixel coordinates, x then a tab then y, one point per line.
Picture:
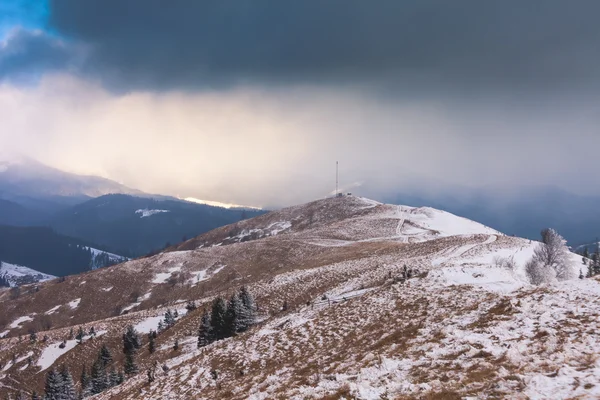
448	45
25	54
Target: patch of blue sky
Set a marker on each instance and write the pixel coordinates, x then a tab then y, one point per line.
28	14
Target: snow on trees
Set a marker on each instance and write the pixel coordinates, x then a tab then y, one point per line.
550	260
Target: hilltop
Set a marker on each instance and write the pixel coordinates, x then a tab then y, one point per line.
338	317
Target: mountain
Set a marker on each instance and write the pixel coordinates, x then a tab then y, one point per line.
17	275
43	250
45	190
522	213
12	213
135	226
356	299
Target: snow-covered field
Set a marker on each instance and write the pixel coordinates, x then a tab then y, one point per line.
13	273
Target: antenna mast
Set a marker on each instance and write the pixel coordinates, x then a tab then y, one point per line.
336	179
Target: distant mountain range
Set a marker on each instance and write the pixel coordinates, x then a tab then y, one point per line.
101	213
135	226
47	252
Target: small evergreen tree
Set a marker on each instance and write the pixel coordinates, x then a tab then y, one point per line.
80	335
98	377
68	389
191	306
130	366
53	387
32	337
105	356
131	340
248	316
176	344
217	318
205	334
84	380
151	344
233	323
34	396
113	377
169	319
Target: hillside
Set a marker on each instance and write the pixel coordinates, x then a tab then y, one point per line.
135	226
337	318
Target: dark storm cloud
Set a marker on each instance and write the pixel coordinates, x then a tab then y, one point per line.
26	54
466	44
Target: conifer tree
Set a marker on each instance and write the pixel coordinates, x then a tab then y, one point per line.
217	318
84	380
205	332
130	366
151	344
80	335
131	340
176	344
98	377
113	377
248	317
105	356
34	396
169	319
233	315
54	386
68	389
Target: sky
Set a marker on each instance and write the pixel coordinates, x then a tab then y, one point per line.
253	102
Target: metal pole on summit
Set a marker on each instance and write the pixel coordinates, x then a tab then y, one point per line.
336	178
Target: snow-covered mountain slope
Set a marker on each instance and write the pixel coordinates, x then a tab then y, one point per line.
20	275
466	324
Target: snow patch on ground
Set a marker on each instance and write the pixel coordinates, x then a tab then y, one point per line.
163	277
51	353
53	310
75	303
17	322
147	213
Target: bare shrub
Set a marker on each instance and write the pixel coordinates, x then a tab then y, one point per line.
505	263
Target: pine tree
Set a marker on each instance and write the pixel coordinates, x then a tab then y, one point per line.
68	389
248	316
84	380
80	335
113	377
54	386
34	396
176	344
160	327
105	356
151	343
175	314
233	315
586	253
131	340
205	332
169	319
217	318
32	337
130	366
98	377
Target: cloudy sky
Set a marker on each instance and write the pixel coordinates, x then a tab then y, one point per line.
252	102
